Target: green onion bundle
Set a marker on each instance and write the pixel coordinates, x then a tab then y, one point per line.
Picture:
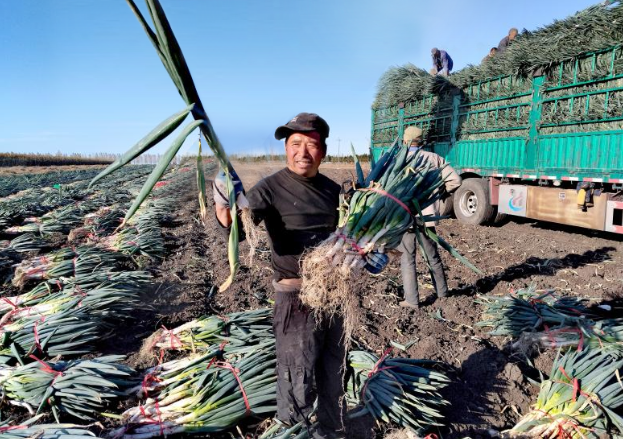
66	262
80	388
578	400
527	311
29	242
399	390
246	328
131	240
45	431
105	220
204	394
110	300
68	322
606	334
69	333
101	279
375	218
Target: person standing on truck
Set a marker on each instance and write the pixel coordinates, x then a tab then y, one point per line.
507	40
413	140
492	52
442	63
299	208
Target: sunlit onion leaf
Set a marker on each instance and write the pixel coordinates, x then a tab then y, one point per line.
160	168
151	139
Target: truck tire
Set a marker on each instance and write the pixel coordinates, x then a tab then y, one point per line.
471	202
446	206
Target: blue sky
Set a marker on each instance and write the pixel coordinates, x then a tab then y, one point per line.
81	75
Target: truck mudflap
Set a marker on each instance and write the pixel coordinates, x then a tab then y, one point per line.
513	199
561	206
614	216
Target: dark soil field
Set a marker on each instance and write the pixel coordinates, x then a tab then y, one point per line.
20	170
489	389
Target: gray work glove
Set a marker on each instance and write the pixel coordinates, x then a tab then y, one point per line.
219	187
375	262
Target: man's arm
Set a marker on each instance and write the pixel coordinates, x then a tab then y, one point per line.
260	201
452	180
223	215
504	42
445	60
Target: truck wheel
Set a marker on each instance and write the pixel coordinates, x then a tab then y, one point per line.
471	202
446	206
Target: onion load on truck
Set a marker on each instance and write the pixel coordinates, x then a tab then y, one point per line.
535	132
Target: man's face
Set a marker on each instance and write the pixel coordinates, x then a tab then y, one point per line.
304	152
512	35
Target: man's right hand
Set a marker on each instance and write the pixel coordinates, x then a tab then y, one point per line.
219	187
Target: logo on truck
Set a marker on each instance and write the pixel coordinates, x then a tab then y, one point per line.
516	202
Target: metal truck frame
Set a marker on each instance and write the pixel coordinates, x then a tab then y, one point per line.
548	147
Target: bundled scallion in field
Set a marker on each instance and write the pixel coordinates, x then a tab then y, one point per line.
580	399
207	393
80	388
527	311
66	262
380	211
605	334
99	279
29	430
68	322
403	391
241	329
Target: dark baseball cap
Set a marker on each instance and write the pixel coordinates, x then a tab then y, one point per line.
303	123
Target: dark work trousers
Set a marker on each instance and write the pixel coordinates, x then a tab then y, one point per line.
310	361
408	248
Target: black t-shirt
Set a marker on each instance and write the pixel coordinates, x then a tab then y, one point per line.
298	212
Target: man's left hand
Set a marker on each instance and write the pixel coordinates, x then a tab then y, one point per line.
219	186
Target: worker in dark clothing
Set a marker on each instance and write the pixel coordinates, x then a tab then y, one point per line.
442	63
299	208
412	139
507	41
492	52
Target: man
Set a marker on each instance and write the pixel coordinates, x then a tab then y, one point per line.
412	139
299	208
492	52
507	41
442	63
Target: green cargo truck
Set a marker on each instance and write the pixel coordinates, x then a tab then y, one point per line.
547	145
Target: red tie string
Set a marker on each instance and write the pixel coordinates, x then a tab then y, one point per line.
227	366
213	359
552	333
352	243
7	300
36	333
148	380
573	382
12	427
388	195
174	338
376	369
